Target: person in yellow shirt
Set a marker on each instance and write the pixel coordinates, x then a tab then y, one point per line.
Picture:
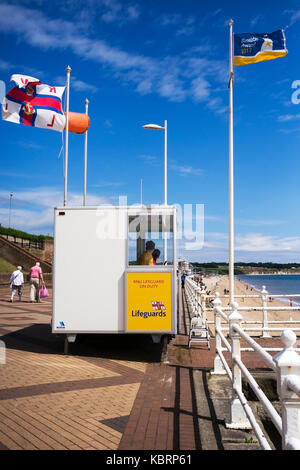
146	258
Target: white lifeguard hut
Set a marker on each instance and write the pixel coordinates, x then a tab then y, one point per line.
98	285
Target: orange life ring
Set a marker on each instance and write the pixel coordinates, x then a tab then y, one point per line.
78	122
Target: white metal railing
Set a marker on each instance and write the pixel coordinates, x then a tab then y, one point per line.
201	302
286	364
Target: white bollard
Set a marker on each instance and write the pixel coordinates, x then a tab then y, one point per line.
218	366
238	418
288	388
264	294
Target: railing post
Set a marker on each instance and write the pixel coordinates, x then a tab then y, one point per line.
288	379
238	418
218	366
195	299
203	303
198	312
265	333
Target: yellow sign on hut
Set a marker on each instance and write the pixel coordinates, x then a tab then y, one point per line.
149	302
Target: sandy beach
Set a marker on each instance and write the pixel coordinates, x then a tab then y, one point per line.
218	283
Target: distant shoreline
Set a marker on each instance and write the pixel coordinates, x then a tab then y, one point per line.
269	274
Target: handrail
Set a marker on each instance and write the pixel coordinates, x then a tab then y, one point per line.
286	364
276	419
250	415
255	296
266	356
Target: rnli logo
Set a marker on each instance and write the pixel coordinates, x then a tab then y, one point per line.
158	306
28	109
158	310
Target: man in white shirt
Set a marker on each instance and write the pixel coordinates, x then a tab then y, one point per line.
16	283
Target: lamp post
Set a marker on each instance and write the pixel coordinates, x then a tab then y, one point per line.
10	198
155	126
165	128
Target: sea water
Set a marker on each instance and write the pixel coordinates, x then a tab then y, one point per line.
275	284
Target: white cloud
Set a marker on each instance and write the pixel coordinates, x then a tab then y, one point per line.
213	218
187	170
118	12
288	117
209	17
150	159
294	16
133	12
249	247
16	174
201	89
264	243
172	19
106	184
256	19
76	84
28	220
174	78
42	201
5	66
259	223
80	85
30	145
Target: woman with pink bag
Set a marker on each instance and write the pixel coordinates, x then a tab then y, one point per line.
44	292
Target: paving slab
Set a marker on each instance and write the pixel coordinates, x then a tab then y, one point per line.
111	392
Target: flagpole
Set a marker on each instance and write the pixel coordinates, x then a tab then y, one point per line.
231	175
68	71
86	102
165	188
165	164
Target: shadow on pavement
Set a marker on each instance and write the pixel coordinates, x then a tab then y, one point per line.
178	412
38	338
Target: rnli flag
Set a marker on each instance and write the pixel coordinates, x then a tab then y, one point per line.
250	48
34	103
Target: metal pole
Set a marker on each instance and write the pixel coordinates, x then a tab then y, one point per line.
231	178
165	189
86	102
10	198
165	161
141	192
265	333
68	71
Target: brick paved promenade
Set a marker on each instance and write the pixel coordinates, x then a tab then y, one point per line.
111	392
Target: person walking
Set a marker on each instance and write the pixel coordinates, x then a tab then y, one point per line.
17	283
183	280
36	279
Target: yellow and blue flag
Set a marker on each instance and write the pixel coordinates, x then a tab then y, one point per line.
250	48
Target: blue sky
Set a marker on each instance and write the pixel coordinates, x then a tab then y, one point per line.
144	62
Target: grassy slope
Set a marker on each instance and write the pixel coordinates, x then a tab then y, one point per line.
6	267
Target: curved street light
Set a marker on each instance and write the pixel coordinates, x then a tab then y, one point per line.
165	127
157	127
